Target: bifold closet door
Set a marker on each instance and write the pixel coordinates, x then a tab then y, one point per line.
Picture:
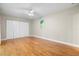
23	29
9	29
16	29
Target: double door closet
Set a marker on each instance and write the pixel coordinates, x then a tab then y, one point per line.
16	29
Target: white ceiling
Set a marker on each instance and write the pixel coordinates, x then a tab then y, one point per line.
41	9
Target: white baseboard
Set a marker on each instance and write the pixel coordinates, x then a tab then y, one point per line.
16	38
66	43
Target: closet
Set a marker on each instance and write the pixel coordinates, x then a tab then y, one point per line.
16	29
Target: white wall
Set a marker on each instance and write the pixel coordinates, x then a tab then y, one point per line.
3	28
76	28
0	29
59	26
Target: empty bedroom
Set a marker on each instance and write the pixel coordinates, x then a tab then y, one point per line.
39	29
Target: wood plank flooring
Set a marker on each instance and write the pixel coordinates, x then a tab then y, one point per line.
31	46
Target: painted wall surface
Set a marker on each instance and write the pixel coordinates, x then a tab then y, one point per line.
59	26
3	28
0	29
76	28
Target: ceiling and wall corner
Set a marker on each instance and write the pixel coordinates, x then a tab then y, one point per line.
41	9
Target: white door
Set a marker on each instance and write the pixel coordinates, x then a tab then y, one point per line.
23	29
9	29
17	29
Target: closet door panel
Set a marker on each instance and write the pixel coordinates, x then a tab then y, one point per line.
9	29
23	28
16	29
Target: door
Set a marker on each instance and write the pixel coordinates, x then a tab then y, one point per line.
16	29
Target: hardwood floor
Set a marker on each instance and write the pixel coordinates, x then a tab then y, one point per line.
32	46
